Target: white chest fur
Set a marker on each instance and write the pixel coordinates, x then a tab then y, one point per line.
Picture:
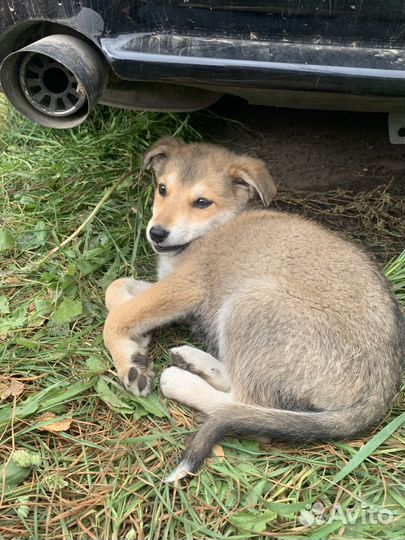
165	265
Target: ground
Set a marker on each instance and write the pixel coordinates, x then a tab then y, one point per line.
314	149
82	458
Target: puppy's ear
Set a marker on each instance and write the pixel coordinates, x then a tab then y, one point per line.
251	174
159	153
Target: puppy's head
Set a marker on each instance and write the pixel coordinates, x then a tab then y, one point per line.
199	187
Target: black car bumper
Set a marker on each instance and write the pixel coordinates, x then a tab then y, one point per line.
267	52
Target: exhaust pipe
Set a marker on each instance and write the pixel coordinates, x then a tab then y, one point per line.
55	81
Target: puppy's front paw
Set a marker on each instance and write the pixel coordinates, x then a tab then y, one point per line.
123	289
138	377
133	367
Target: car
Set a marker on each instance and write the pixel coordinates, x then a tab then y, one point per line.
60	58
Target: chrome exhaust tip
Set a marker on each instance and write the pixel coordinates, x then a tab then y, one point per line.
55	81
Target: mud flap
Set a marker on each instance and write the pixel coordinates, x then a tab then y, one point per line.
396	127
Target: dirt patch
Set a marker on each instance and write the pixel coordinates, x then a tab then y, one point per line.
313	149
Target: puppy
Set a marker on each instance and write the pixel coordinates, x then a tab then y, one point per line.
307	338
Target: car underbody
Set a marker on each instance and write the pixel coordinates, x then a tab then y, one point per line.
184	55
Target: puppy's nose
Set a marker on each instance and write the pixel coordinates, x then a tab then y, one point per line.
158	234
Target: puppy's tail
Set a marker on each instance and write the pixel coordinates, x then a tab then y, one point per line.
274	424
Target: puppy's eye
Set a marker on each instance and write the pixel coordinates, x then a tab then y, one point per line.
162	190
202	203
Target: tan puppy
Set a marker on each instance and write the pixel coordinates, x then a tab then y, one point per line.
308	338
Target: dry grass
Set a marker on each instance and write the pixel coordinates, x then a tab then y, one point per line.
374	216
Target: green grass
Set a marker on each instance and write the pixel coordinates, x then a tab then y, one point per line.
101	475
395	272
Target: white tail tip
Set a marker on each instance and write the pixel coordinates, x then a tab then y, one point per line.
181	471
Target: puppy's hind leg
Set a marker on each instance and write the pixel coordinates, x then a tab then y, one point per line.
202	364
192	390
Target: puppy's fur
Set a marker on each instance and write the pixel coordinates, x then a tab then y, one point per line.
307	335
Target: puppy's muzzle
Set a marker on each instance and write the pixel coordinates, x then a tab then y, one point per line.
157	237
